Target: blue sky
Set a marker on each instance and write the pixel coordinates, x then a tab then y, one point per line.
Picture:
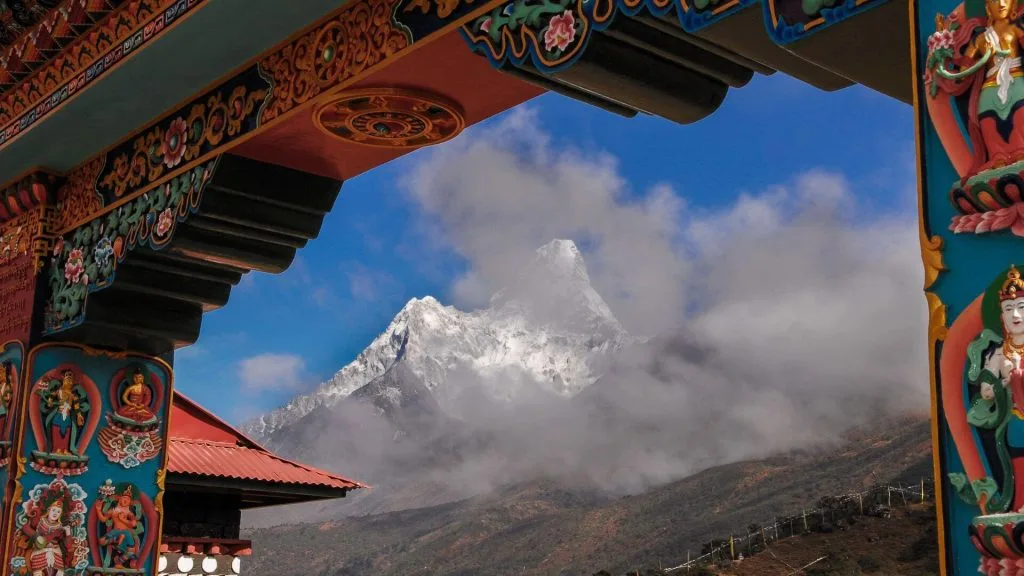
370	257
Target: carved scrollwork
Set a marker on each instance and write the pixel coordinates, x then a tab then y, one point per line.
361	37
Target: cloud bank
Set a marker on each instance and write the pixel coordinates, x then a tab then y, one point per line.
780	320
777	322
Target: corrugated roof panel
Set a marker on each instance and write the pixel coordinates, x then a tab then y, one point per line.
223	460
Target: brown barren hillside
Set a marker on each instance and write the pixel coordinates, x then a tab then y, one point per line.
541	528
903	545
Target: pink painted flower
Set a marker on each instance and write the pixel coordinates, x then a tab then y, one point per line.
164	223
561	31
58	246
939	40
485	26
74	267
172	148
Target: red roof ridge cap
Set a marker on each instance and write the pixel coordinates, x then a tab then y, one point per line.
241	435
216	443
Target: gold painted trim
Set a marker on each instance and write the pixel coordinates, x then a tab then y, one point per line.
17	465
931	258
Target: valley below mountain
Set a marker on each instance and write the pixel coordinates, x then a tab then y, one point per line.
543	527
535	435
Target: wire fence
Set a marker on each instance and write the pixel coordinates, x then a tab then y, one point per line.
877	501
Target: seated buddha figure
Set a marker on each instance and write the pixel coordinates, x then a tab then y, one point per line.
136	399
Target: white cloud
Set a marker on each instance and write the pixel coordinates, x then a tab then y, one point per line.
788	316
271	372
496	200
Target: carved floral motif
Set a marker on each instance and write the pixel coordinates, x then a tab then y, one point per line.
551	33
85	259
78	196
179	139
361	37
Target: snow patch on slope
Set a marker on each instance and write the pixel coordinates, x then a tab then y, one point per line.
550	331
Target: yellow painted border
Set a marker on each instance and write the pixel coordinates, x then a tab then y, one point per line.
12	466
931	258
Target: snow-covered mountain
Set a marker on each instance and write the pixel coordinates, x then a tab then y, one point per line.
548	332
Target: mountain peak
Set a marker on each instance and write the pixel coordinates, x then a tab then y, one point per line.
562	258
555	285
549	328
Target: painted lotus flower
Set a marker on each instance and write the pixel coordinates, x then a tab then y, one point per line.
103	251
74	267
561	32
941	39
172	148
164	222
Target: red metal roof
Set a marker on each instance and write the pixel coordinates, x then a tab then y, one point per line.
223	460
203	445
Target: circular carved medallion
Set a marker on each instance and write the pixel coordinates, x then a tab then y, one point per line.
391	118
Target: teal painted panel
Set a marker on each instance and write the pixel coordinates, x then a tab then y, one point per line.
971	143
94	453
12	356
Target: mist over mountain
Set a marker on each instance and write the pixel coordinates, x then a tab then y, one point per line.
549	333
676	340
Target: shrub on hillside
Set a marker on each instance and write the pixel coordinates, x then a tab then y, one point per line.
869	564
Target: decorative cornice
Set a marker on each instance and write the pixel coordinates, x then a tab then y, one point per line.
551	35
28	192
21	18
37	81
85	259
791	20
28	234
317	65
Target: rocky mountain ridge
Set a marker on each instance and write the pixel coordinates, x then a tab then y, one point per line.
548	332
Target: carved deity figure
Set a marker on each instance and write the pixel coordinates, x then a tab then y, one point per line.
996	407
6	396
122	529
136	399
982	58
47	538
66	407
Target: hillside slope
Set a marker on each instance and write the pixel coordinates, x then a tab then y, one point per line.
543	528
905	544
